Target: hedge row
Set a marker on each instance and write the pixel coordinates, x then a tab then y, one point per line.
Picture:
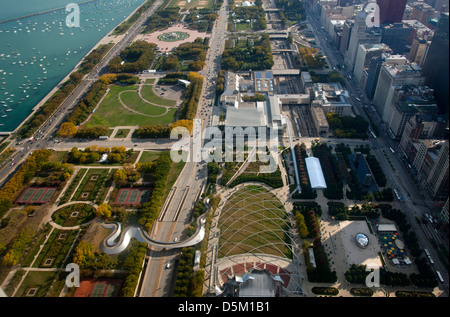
133	265
188	109
150	210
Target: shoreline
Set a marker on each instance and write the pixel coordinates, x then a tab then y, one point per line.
108	38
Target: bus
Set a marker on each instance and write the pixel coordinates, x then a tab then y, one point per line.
392	150
396	194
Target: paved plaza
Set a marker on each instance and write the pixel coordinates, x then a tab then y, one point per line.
165	46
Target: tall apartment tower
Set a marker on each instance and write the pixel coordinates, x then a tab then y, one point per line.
391	11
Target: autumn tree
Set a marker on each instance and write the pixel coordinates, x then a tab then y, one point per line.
108	79
120	176
67	130
188	124
84	253
103	210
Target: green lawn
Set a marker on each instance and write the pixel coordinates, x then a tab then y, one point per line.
110	112
149	95
149	156
132	100
122	133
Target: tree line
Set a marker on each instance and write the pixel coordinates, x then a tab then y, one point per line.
134	58
25	173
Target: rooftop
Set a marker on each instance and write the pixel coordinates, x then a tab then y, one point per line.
315	173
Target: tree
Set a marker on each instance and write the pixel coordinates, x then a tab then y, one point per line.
84	253
120	176
188	124
114	158
104	210
171	63
108	78
67	130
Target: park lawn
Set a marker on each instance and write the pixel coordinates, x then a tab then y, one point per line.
132	100
57	156
243	26
122	133
110	112
149	95
149	156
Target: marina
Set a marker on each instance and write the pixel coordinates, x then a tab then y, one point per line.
32	62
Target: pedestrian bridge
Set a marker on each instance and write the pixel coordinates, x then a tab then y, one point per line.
110	246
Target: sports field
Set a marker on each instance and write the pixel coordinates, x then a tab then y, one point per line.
253	221
98	288
127	196
36	195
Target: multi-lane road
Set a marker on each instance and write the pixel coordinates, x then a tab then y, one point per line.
158	277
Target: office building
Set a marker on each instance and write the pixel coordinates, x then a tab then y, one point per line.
396	36
419	50
436	66
391	11
408	101
399	73
423	13
360	34
364	57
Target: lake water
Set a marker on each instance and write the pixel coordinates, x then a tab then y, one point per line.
37	52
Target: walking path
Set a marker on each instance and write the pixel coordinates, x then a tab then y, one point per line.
167	109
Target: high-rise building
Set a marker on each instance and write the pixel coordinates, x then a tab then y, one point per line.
423	13
346	31
437	178
396	36
364	56
436	65
419	50
372	76
392	75
408	101
360	34
391	11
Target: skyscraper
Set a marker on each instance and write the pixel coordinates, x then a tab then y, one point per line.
391	11
436	67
